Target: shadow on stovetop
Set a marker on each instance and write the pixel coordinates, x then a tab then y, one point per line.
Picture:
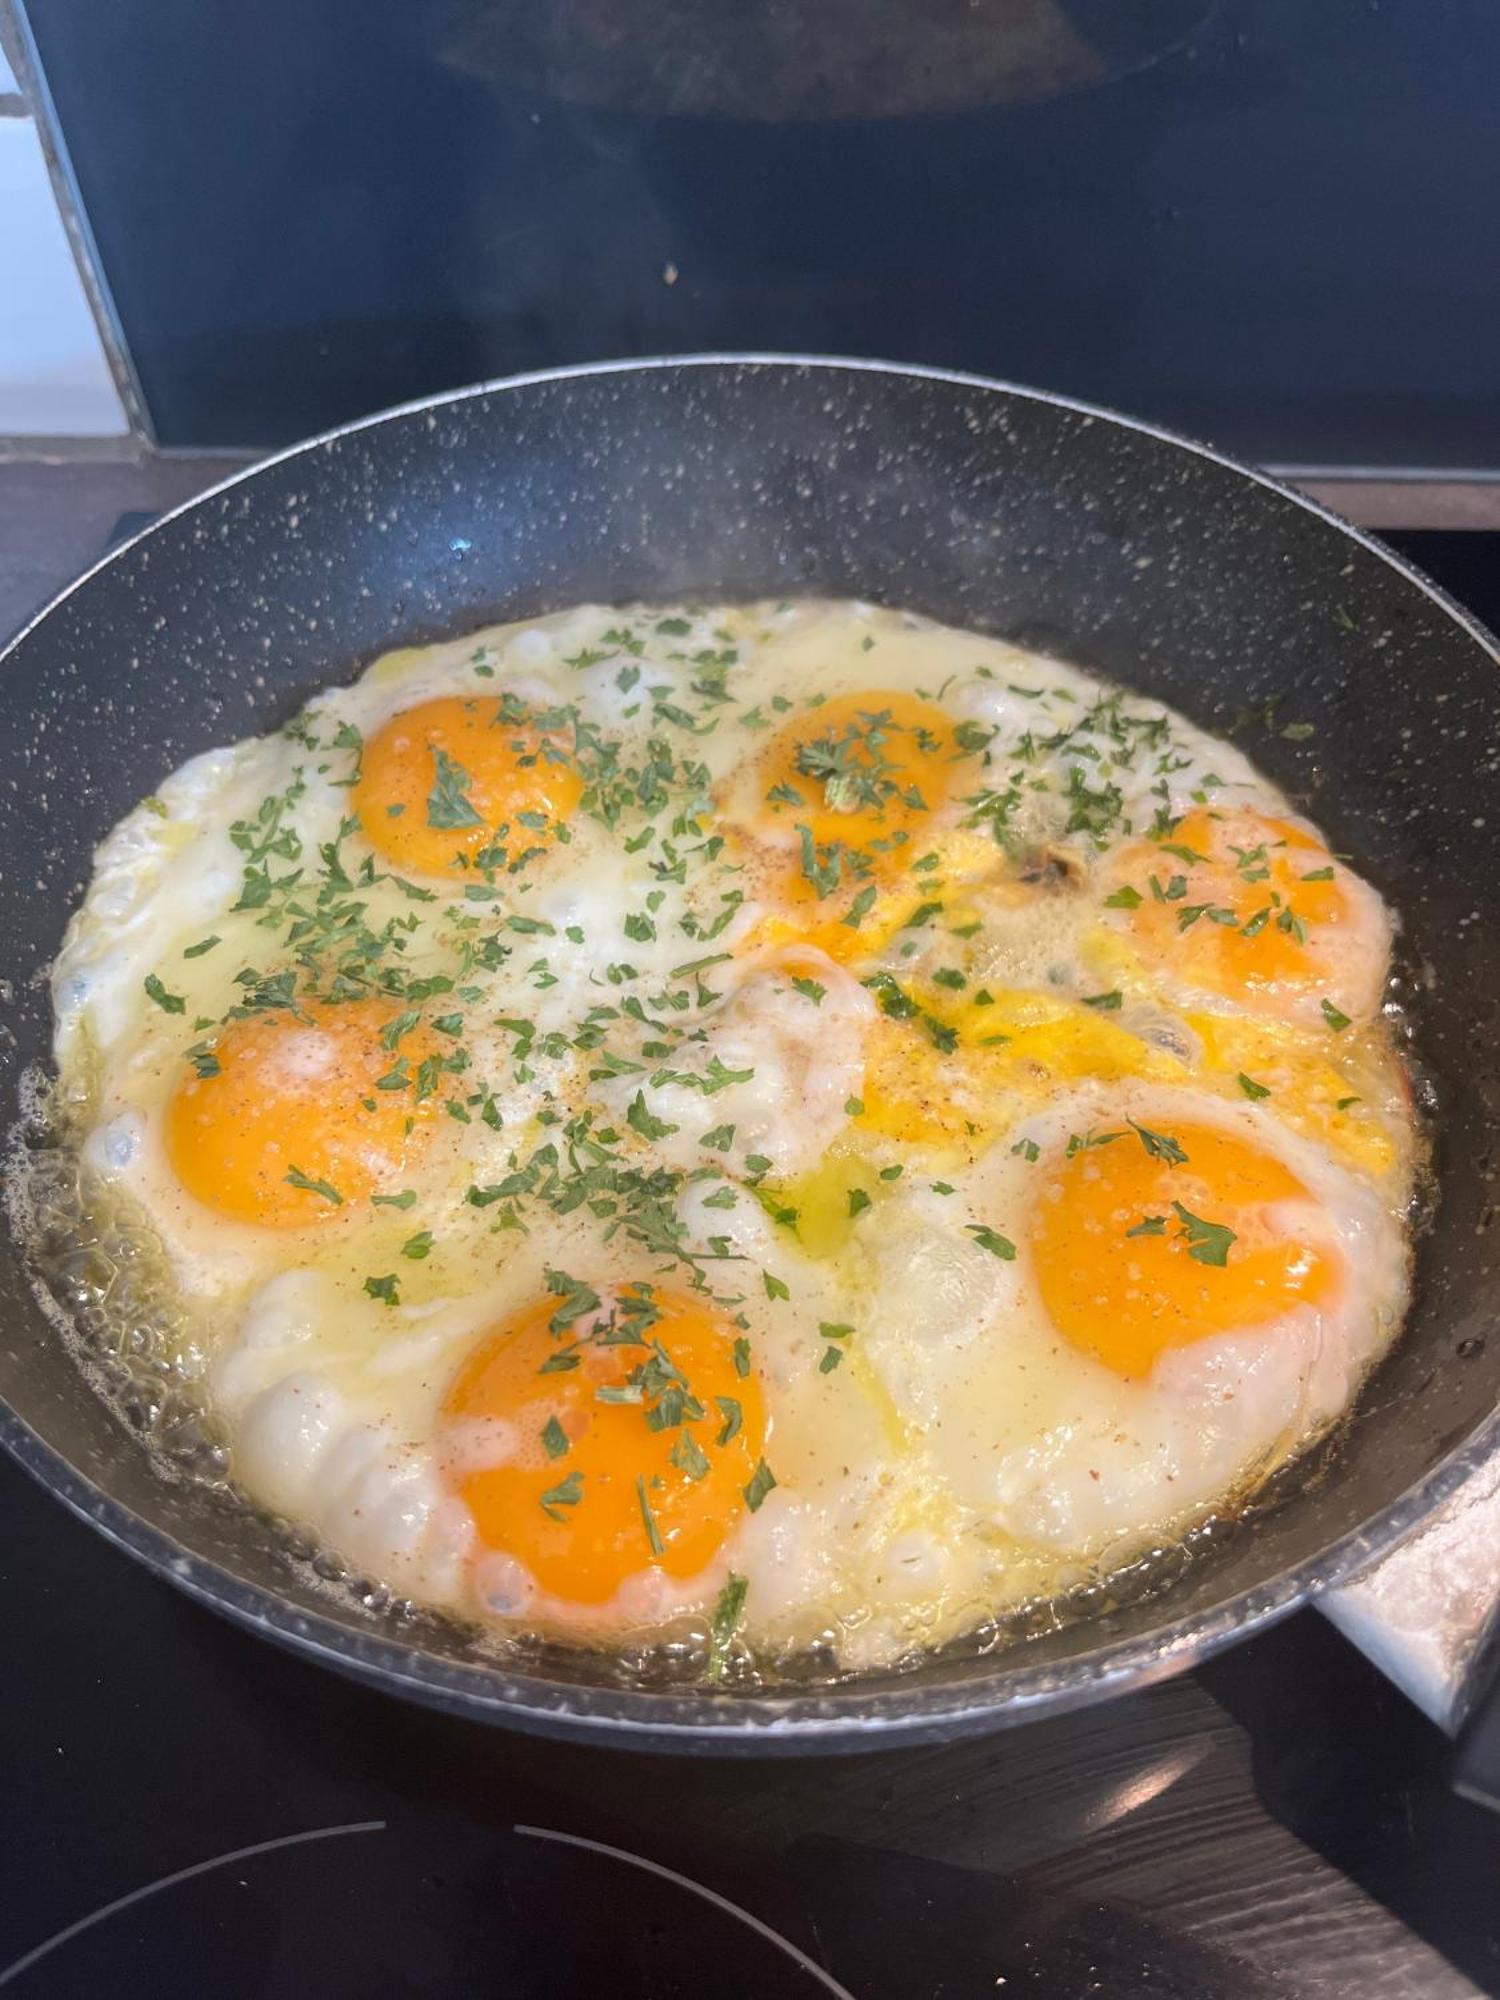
1350	1767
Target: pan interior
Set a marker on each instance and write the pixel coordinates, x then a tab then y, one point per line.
1129	554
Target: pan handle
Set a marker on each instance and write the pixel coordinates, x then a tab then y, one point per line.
1426	1616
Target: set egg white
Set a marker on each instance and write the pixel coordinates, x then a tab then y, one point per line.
944	1453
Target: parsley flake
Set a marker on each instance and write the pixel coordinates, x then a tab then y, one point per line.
728	1611
1159	1144
449	806
689	1456
1208	1242
554	1438
641	1120
991	1240
297	1179
169	1003
567	1493
648	1519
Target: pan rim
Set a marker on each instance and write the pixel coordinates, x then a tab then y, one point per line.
847	1715
790	359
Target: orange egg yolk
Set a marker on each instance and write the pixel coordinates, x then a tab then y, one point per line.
854	780
1137	1251
1237	904
295	1100
629	1439
453	784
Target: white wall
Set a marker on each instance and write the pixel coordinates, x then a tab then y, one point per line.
54	379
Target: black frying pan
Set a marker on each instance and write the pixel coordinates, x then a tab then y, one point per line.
1134	554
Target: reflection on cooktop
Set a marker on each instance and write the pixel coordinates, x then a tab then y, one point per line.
525	1911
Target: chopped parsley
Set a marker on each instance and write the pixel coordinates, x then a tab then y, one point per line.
733	1415
449	806
1159	1144
1208	1242
576	1300
641	1120
648	1519
294	1177
169	1003
728	1611
991	1240
567	1493
554	1438
689	1456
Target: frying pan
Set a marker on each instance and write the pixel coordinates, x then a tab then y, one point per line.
1135	554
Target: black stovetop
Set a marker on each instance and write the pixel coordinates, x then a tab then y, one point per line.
184	1810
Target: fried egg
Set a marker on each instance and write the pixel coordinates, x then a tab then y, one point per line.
756	1129
1244	910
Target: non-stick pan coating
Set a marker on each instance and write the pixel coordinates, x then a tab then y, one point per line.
1132	554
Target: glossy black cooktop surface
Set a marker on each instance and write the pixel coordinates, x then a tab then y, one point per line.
1269	223
185	1811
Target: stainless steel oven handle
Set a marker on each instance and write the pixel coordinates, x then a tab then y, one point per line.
1425	1613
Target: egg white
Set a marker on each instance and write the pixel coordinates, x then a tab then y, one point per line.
960	1458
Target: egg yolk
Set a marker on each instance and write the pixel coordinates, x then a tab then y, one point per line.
456	783
301	1115
996	1060
854	780
1143	1241
1238	903
627	1435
